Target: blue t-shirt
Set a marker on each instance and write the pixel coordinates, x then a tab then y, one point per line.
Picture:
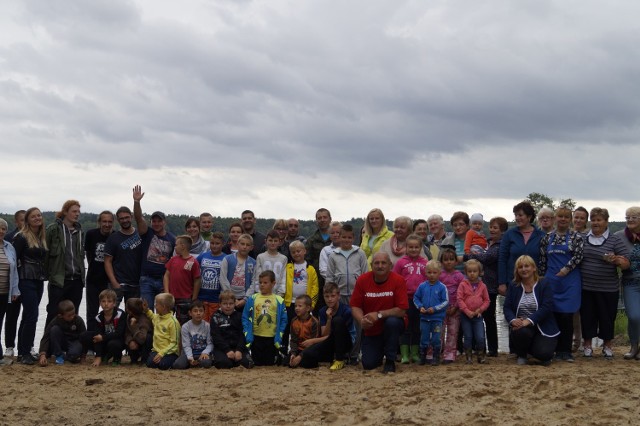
344	311
210	277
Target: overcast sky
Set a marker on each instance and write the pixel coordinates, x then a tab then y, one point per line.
283	107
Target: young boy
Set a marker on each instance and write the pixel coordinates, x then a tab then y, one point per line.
138	337
182	278
210	263
475	240
166	333
431	299
108	340
229	346
412	267
303	327
264	319
206	226
334	235
302	279
237	270
337	333
196	340
271	260
346	264
62	336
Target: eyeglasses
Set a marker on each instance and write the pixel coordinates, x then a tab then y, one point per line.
632	217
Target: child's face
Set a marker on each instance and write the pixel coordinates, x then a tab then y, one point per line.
196	314
298	254
449	263
302	309
206	223
215	245
346	240
335	235
244	247
160	308
107	304
266	286
227	306
332	299
477	225
273	244
234	234
180	248
413	248
473	273
459	228
68	316
433	274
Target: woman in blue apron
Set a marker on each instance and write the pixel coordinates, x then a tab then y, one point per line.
560	255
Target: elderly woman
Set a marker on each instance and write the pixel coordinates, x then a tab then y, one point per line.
396	246
375	233
9	291
631	279
31	250
437	234
489	259
524	238
546	219
560	256
603	254
528	308
198	244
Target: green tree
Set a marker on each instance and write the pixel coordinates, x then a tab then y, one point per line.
539	200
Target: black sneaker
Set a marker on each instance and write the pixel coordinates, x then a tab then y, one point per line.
28	360
389	367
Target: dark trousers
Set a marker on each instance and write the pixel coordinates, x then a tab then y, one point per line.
92	301
60	344
263	351
528	340
222	361
374	348
490	324
11	323
31	295
142	353
125	292
72	290
411	335
336	346
598	314
4	302
165	363
182	310
565	324
105	349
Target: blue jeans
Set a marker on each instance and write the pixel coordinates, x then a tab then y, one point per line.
374	348
31	295
631	293
430	335
473	332
149	288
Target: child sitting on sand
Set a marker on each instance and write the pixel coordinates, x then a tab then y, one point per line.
303	327
108	340
62	336
138	337
166	333
229	347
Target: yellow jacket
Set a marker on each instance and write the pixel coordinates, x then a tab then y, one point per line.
312	285
383	236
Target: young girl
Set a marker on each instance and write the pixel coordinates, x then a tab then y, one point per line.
235	230
138	337
412	267
473	300
451	278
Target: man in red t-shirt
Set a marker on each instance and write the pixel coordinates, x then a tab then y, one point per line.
378	304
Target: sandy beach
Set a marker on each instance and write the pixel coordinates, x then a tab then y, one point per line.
591	391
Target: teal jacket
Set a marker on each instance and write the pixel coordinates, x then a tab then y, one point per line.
54	263
247	320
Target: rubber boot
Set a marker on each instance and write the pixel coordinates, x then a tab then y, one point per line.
633	352
415	353
482	357
404	353
423	356
469	354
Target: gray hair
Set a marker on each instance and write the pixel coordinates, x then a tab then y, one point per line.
4	224
435	217
546	210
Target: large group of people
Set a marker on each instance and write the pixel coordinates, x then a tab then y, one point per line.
416	293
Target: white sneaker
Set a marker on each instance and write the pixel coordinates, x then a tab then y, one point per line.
8	352
607	352
34	353
588	352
